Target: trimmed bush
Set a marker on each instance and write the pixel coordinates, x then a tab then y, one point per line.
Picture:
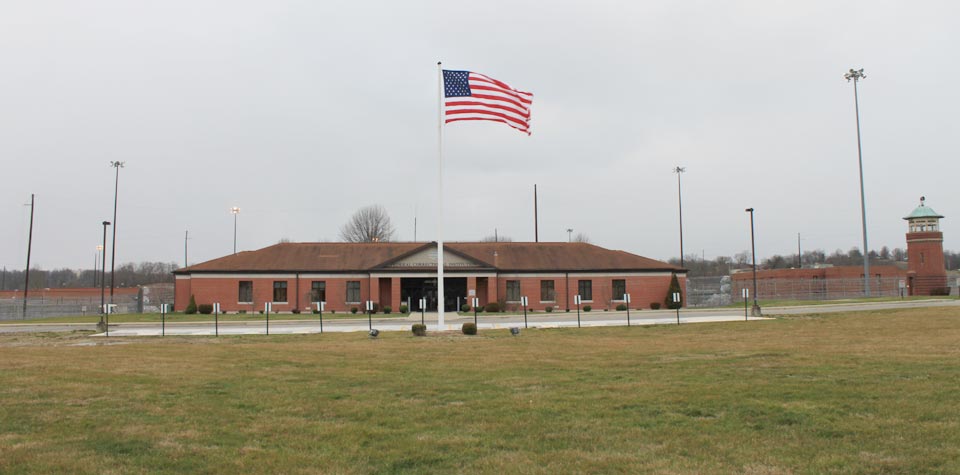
465	308
242	312
621	307
205	308
491	307
403	308
295	311
481	309
387	309
940	291
654	305
587	308
548	309
469	328
353	309
419	329
674	287
191	307
315	311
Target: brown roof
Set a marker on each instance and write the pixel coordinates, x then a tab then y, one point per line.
362	257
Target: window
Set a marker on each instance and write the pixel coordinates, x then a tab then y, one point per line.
547	291
279	291
619	288
353	291
513	291
921	259
318	291
245	292
585	288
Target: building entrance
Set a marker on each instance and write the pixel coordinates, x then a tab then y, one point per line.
415	288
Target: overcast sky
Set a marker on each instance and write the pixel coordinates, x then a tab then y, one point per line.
302	112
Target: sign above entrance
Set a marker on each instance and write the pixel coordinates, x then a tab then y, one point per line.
427	258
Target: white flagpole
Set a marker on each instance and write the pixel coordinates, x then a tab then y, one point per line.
440	298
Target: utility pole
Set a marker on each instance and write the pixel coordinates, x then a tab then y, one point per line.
186	237
569	234
799	255
26	284
536	220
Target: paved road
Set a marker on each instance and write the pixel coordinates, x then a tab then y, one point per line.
454	321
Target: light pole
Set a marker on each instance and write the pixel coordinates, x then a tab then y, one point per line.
113	245
96	264
235	210
569	234
678	171
103	278
856	75
26	273
753	250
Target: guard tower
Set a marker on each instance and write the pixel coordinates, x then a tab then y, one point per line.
926	272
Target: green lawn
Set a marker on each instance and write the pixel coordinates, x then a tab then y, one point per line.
796	303
181	317
872	392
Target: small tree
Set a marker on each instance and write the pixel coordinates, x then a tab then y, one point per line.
674	287
191	307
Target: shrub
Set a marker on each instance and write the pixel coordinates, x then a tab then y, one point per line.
333	311
243	312
481	308
260	312
674	287
502	304
295	311
621	307
940	291
654	305
387	309
548	309
587	308
205	308
469	328
465	308
419	329
491	307
353	309
315	311
224	312
191	307
403	308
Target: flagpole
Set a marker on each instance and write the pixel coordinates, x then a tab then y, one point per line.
440	298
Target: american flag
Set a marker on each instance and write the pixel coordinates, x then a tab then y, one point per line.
473	96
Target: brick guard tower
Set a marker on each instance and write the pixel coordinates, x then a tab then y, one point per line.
926	271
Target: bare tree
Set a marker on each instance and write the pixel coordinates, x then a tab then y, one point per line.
496	238
581	237
368	224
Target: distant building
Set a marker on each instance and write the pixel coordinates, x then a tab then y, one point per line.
345	275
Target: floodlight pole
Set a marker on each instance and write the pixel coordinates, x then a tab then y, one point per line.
753	251
103	277
856	75
113	245
678	171
26	284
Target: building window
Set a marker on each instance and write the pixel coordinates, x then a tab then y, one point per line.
353	291
318	291
547	291
921	258
245	294
585	288
513	291
279	291
619	288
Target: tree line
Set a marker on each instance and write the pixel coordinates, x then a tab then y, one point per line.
126	275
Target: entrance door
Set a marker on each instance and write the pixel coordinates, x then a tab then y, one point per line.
415	288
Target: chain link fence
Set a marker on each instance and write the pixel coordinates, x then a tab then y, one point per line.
147	300
717	291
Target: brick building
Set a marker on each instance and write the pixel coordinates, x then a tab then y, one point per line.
345	275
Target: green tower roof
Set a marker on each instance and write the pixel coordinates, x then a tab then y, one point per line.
923	211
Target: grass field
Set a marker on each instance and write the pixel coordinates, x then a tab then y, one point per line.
875	392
